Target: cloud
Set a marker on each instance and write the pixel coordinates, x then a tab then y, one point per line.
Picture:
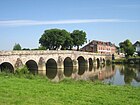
130	6
78	21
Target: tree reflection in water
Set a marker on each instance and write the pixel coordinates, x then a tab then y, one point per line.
129	74
137	78
112	74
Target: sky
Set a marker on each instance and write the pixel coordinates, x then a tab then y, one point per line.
24	21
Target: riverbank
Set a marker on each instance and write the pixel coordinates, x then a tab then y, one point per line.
130	60
41	91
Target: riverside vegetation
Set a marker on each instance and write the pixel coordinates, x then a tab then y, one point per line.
27	89
126	60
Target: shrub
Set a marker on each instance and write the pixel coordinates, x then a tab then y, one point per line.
120	61
6	73
22	70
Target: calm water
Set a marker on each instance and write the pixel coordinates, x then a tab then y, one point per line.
112	74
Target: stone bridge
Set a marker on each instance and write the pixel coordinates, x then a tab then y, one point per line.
41	60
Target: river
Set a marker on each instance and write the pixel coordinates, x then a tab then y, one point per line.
110	74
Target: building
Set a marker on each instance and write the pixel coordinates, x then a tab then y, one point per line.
100	47
137	46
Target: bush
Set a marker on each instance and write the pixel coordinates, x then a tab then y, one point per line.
120	61
22	70
6	70
6	73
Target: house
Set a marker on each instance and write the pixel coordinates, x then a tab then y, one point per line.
100	47
137	46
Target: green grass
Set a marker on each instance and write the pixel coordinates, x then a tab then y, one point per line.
41	91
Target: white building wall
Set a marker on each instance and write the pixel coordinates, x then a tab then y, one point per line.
138	48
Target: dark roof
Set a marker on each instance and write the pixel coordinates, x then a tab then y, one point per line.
137	42
102	43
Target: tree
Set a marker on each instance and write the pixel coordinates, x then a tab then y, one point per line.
68	44
54	39
79	38
127	47
17	47
41	48
25	49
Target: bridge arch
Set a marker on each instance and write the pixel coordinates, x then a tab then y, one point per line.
81	61
68	66
7	67
90	64
90	61
103	61
51	68
98	63
32	66
81	65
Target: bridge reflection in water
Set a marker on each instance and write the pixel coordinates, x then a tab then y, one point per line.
86	70
41	61
112	74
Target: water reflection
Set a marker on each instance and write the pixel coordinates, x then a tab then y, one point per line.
33	71
125	74
51	68
68	71
90	67
51	73
112	74
81	70
129	74
98	65
137	78
106	73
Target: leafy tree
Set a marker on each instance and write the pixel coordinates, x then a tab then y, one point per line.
55	38
79	38
41	48
127	47
68	44
25	49
17	47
